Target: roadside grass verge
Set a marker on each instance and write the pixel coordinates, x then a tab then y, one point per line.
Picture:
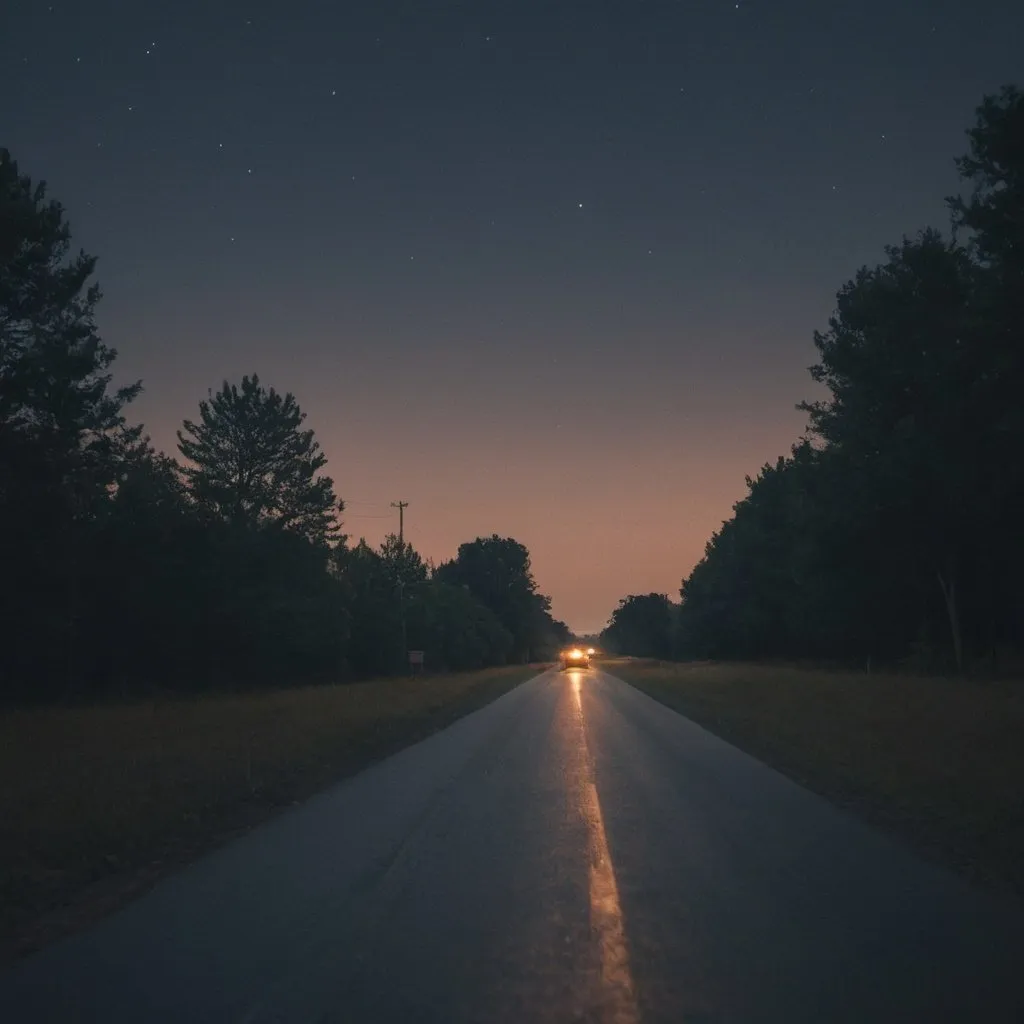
98	803
938	762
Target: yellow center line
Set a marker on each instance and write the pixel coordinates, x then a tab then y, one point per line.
605	909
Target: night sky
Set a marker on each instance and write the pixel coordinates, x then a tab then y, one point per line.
549	270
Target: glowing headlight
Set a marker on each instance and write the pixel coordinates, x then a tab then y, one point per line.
576	655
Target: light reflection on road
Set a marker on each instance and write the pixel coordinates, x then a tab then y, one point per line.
605	909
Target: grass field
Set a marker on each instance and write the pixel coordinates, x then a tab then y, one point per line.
97	803
939	762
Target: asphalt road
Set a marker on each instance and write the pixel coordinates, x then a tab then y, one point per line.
572	852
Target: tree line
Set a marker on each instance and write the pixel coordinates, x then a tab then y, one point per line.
122	568
893	531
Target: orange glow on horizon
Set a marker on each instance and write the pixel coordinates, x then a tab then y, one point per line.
659	472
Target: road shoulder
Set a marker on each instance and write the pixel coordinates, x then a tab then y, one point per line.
936	762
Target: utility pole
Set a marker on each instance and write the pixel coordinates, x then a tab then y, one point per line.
401	506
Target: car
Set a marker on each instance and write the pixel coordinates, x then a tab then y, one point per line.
575	657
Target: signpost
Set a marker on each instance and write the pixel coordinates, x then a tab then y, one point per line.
416	662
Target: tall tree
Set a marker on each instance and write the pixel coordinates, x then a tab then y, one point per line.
250	463
907	407
496	571
901	522
401	561
993	218
994	168
643	626
393	600
800	570
55	393
62	428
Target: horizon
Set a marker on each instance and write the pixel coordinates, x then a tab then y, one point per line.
542	278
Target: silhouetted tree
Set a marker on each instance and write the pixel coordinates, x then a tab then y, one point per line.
401	561
496	571
642	626
798	570
994	214
561	634
993	218
895	533
905	409
454	630
375	642
250	463
62	431
123	569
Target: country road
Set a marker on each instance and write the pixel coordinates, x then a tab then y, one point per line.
572	852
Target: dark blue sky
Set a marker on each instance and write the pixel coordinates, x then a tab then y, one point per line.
499	248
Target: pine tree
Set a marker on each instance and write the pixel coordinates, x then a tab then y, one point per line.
250	463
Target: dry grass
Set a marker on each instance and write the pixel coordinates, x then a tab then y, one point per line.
939	762
97	803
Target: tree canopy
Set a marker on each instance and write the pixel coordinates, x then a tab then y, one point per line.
497	572
892	532
63	434
643	626
125	569
249	463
